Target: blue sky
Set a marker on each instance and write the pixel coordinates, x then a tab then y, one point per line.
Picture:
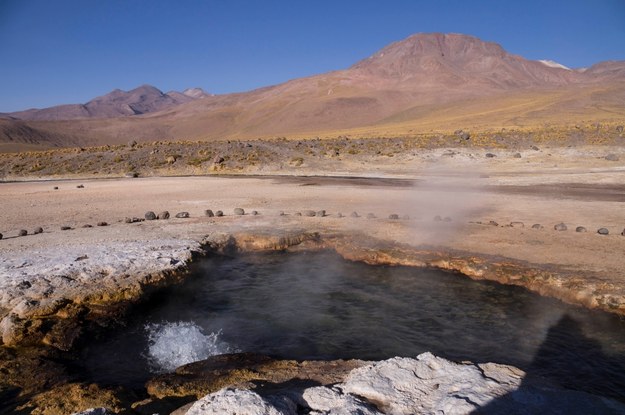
62	51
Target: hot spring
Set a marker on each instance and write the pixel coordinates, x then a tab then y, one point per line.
315	305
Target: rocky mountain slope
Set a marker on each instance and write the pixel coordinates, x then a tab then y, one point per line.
424	83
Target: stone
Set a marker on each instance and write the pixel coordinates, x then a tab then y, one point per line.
298	213
209	213
537	226
102	223
534	148
218	160
22	232
65	228
393	216
56	187
493	223
37	230
354	215
1	236
182	215
170	159
80	186
371	216
619	128
490	155
437	218
236	401
219	213
622	233
163	215
603	231
517	155
611	157
127	220
560	227
281	213
149	215
309	213
87	226
517	224
239	211
254	213
321	213
132	143
580	229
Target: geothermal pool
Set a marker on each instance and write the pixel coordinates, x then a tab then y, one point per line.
315	305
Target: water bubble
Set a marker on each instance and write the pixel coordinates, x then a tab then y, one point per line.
171	345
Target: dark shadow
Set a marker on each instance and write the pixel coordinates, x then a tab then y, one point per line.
566	359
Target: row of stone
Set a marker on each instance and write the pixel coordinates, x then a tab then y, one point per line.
39	229
558	227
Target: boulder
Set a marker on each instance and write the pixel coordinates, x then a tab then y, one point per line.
22	232
163	215
209	213
611	157
580	229
537	226
149	215
321	213
560	227
239	211
517	155
603	231
393	216
37	230
66	228
102	223
182	215
219	213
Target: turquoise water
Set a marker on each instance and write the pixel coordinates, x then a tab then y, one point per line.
316	305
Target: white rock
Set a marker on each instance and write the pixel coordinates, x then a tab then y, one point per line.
332	401
239	402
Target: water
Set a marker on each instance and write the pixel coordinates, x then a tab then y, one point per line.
317	306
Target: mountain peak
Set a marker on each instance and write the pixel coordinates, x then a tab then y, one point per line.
196	93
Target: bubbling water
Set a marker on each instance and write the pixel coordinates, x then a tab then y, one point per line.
171	345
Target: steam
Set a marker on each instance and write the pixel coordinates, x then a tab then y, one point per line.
171	345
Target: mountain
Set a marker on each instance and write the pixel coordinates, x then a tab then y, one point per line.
142	100
426	82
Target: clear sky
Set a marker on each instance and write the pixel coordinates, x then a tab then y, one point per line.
69	51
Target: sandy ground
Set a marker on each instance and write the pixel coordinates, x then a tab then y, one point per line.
471	192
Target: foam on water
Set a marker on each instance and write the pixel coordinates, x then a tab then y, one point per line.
171	345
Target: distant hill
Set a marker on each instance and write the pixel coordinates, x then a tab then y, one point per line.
426	82
117	103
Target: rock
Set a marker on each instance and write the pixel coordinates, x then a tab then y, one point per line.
580	229
102	223
517	224
170	159
437	218
87	226
603	231
354	215
163	215
131	175
209	213
560	227
80	186
56	187
517	155
22	232
321	213
236	401
298	213
132	143
239	211
66	228
611	157
490	155
622	233
254	213
493	223
219	213
218	160
281	213
371	216
182	215
462	134
37	231
309	213
1	236
149	215
535	148
537	226
127	220
619	128
393	216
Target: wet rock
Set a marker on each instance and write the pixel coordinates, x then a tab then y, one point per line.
611	157
537	226
393	216
371	216
580	229
309	213
66	228
321	213
209	213
102	223
560	227
239	211
182	215
163	215
219	213
603	231
354	215
22	232
517	155
437	218
149	215
517	224
37	230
